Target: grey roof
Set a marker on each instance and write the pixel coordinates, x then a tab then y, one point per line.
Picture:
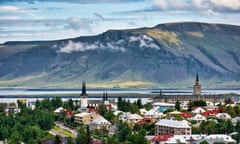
172	123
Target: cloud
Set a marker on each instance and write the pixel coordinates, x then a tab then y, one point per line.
229	4
77	24
98	15
72	1
194	5
144	41
30	22
9	9
83	46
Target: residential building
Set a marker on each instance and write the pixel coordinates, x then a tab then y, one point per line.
198	110
163	106
223	116
85	117
99	123
174	127
130	118
190	139
198	118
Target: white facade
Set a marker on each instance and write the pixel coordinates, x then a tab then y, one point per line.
84	102
166	126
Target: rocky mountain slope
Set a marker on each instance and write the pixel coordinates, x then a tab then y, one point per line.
167	54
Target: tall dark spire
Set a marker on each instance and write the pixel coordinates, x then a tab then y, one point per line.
106	96
84	93
197	78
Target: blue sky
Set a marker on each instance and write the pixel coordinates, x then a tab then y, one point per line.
58	19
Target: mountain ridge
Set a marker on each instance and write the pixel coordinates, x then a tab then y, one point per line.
152	57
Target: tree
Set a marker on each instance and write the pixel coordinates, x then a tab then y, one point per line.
204	142
3	132
124	131
137	138
83	136
102	109
228	126
113	140
139	103
177	105
15	137
57	140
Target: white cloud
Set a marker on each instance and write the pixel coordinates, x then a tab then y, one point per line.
77	24
229	4
144	41
214	5
9	9
81	47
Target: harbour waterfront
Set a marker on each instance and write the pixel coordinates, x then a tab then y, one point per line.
11	96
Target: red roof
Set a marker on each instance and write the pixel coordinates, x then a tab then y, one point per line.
145	120
161	137
96	142
68	112
186	115
92	110
211	112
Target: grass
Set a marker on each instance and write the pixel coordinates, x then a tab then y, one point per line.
64	132
169	37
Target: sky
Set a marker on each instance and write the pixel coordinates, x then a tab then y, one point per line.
25	20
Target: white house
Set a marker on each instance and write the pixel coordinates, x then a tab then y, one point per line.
190	139
130	118
217	138
153	114
198	110
235	120
198	118
223	116
99	123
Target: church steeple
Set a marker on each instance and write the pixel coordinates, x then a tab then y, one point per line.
197	78
197	87
83	96
84	93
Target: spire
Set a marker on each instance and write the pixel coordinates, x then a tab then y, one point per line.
84	93
106	96
197	78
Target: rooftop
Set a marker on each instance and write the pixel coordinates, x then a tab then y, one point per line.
172	123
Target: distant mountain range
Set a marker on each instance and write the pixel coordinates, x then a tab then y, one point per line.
167	55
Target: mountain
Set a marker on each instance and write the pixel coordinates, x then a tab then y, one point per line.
167	55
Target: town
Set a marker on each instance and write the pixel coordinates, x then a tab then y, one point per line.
189	119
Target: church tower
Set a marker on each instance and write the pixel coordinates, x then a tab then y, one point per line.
83	96
197	87
105	98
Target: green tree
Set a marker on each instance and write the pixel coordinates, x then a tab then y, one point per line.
57	140
124	131
137	138
139	103
83	136
15	137
228	126
102	109
3	132
148	106
204	142
56	102
177	105
112	140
